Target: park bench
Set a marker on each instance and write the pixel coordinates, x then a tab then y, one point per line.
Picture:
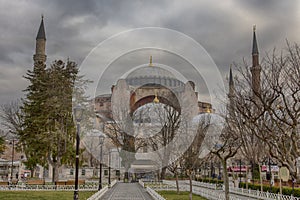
4	183
69	182
36	182
60	182
72	182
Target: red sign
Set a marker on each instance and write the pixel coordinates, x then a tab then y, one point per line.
237	169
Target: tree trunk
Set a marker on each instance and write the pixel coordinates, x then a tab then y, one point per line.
126	174
294	178
226	180
55	162
260	178
191	187
158	175
91	160
55	173
126	177
32	173
177	184
163	173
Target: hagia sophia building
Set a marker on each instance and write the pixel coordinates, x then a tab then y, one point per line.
151	83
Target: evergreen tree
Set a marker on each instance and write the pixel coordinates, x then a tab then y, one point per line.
33	115
48	135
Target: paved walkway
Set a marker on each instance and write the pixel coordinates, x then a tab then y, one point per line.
126	191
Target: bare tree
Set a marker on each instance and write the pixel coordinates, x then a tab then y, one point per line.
11	119
190	158
161	131
226	147
174	167
11	116
274	114
252	148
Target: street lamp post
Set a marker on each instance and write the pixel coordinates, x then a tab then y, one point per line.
78	111
101	140
12	160
240	171
252	168
219	177
270	172
109	168
211	170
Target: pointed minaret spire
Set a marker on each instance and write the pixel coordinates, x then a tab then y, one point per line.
41	33
254	46
40	49
255	69
231	84
230	77
230	105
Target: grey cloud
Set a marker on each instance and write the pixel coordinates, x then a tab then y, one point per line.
74	28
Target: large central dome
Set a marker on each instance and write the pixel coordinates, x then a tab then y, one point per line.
150	71
150	74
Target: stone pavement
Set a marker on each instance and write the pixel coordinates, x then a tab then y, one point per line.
126	191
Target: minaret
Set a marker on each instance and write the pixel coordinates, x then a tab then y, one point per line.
231	84
40	55
255	69
231	92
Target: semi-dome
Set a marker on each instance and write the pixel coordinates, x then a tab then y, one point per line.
152	75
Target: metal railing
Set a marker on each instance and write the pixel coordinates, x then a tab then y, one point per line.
166	187
209	193
141	183
88	186
98	194
213	191
260	194
154	194
114	182
48	187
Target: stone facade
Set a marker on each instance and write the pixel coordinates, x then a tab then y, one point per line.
146	83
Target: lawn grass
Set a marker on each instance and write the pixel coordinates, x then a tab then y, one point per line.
43	195
172	195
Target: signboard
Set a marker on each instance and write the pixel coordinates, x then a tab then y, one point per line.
266	168
284	173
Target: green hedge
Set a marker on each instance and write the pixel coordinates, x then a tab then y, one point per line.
274	189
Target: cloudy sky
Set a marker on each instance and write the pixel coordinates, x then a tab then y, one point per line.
75	27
